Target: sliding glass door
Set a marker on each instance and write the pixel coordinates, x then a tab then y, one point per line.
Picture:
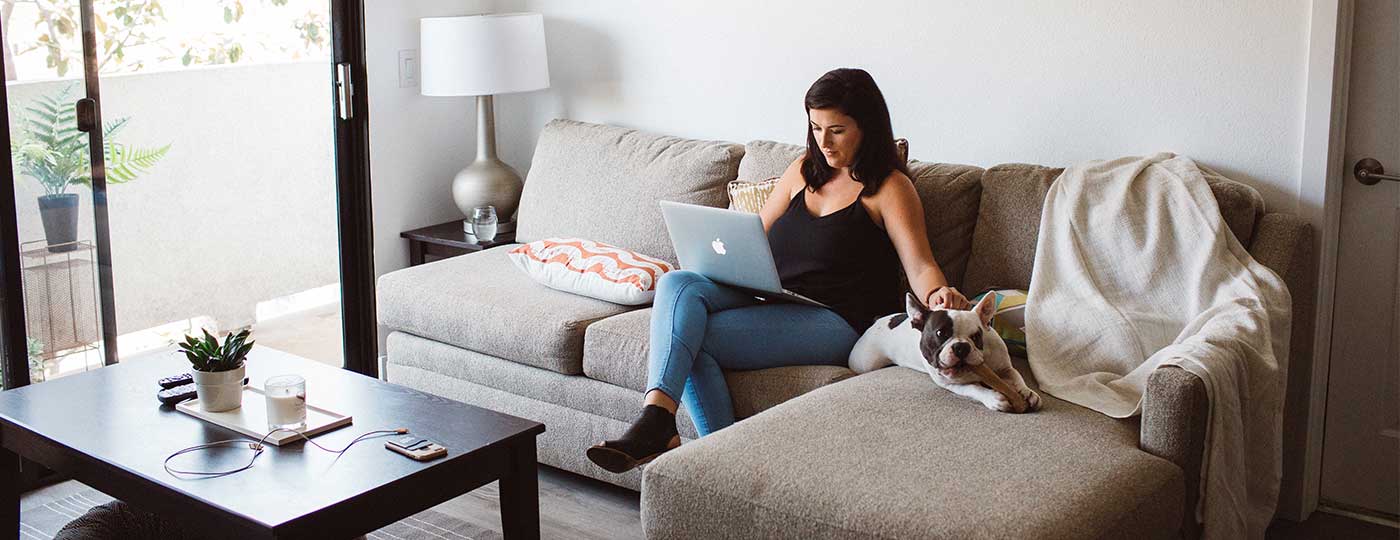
185	165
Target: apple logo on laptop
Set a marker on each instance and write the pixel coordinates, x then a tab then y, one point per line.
718	246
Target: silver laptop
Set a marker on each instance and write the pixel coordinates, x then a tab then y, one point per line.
729	247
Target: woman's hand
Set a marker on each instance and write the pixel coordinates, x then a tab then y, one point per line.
947	298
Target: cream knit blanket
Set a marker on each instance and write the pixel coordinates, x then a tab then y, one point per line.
1136	269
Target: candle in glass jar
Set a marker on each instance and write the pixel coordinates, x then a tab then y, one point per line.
286	402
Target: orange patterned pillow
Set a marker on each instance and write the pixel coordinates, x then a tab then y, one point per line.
591	269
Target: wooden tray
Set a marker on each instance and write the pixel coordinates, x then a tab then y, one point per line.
251	418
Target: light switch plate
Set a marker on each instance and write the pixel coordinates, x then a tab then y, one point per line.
408	68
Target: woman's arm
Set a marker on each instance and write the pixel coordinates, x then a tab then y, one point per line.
903	215
787	187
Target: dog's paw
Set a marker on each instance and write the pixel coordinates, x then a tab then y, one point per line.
998	402
1032	399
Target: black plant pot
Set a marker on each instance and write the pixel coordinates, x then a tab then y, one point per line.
60	216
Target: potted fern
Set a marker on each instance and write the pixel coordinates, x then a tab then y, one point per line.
51	150
218	369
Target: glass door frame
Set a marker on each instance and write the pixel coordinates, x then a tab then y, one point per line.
349	99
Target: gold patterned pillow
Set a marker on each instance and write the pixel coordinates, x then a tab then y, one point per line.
750	196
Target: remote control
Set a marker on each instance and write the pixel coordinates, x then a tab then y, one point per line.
171	396
178	380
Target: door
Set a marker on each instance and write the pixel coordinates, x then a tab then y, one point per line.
1361	446
184	165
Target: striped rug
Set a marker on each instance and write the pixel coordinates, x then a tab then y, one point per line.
42	523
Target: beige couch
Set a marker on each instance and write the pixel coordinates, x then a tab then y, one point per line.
884	454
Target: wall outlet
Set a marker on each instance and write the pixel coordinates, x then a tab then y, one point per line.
408	68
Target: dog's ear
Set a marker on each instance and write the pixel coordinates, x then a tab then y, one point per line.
986	308
916	311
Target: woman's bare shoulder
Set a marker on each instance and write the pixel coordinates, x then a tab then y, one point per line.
791	181
896	186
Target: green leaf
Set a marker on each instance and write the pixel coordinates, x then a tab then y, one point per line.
125	164
114	126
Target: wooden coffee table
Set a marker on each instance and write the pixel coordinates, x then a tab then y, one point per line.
105	429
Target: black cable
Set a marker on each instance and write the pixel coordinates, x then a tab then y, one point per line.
258	447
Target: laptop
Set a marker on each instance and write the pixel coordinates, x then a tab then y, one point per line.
729	247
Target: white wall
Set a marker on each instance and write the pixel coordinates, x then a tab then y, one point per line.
967	82
417	143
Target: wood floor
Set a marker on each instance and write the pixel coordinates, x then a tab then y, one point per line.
571	506
577	507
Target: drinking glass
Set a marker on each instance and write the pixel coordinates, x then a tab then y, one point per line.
286	402
484	223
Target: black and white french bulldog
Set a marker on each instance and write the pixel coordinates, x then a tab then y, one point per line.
944	344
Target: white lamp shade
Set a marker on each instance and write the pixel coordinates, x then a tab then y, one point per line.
483	55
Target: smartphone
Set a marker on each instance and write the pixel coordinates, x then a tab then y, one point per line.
416	447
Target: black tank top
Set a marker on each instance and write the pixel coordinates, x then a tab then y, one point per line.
841	259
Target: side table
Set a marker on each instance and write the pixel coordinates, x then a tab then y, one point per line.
446	240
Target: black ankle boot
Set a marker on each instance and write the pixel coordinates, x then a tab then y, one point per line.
649	436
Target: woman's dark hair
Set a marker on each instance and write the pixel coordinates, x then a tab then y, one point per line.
853	92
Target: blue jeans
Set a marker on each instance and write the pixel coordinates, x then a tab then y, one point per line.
699	326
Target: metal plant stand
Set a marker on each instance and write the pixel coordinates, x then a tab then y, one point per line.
60	305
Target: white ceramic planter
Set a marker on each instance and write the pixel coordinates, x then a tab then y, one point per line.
219	391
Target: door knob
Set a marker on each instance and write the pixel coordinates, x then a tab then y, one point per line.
1370	172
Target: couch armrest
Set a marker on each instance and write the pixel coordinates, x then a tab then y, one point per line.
1284	243
1175	410
1175	407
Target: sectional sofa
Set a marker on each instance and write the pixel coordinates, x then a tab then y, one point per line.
820	453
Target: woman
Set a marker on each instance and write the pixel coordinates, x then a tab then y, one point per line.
842	222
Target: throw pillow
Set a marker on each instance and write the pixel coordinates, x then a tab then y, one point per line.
1010	318
591	269
750	196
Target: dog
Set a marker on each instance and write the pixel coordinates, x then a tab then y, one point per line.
945	344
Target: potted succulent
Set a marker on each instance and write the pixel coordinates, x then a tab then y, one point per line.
218	369
52	150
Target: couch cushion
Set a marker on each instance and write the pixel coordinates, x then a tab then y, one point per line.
888	454
482	302
767	159
615	351
951	195
1008	225
450	364
1008	222
603	183
1241	205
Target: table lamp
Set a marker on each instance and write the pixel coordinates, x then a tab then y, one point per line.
484	55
